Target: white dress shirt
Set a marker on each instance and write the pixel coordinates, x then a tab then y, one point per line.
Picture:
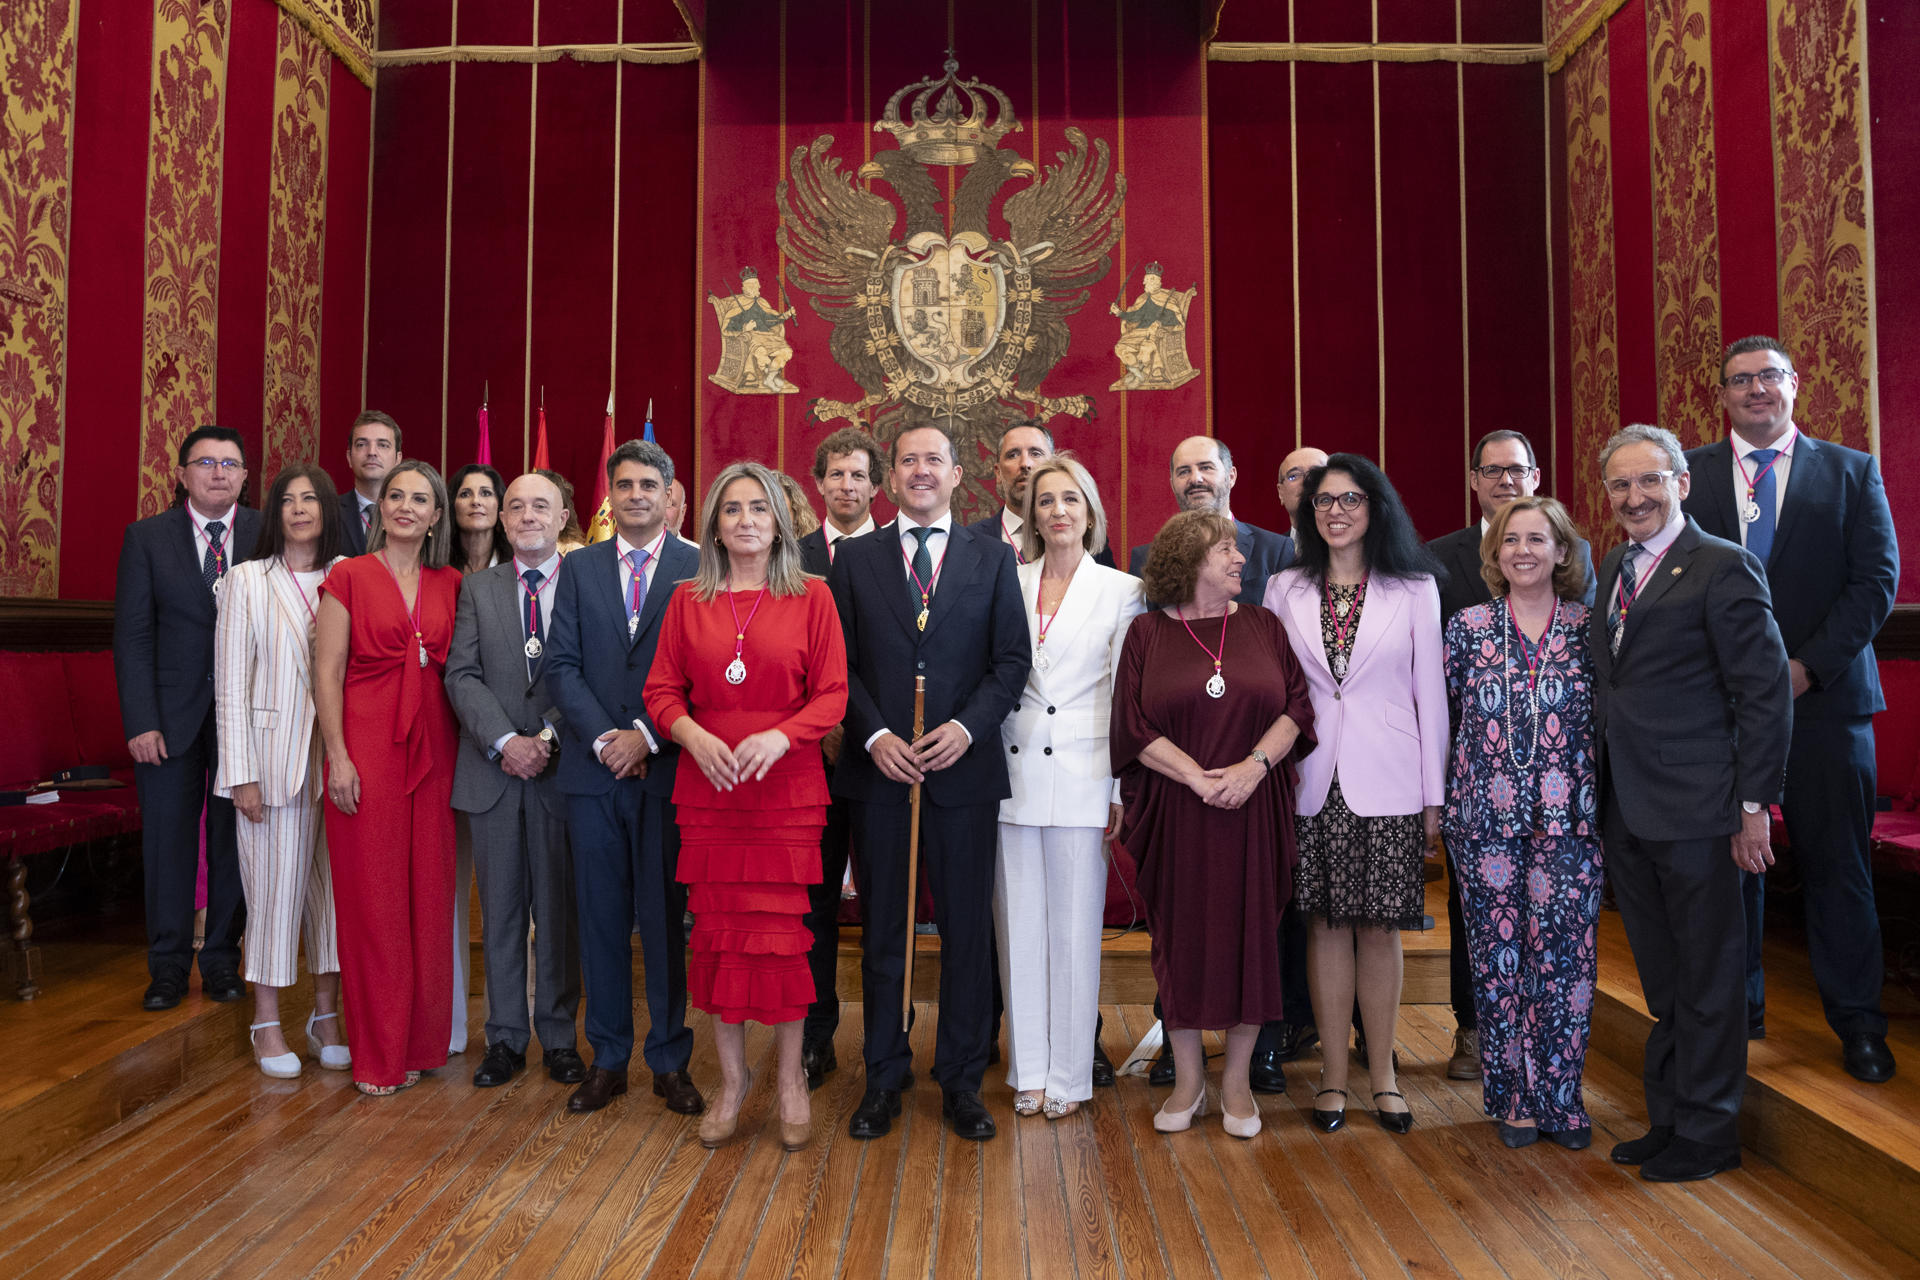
832	534
1010	527
202	540
1782	467
623	548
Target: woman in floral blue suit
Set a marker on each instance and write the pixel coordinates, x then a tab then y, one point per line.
1521	824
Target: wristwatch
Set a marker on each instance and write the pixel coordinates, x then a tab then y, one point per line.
1261	756
548	736
1750	806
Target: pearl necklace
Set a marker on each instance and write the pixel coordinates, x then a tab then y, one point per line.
1533	697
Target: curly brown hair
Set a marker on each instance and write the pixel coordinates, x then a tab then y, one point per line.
1173	564
1569	576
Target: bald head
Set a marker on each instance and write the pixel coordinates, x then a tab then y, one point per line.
534	513
1293	475
1202	473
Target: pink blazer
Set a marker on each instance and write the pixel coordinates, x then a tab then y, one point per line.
1385	727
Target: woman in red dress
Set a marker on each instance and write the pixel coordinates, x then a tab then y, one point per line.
750	675
380	651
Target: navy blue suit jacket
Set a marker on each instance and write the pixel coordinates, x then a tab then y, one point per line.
163	617
594	675
353	534
1267	553
974	654
1832	570
1463	587
992	530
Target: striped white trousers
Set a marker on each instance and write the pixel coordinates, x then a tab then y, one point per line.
289	890
1049	891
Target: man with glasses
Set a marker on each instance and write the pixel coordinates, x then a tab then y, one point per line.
1293	477
1692	712
163	618
373	449
1815	515
1503	469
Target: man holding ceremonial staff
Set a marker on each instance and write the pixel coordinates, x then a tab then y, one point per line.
924	596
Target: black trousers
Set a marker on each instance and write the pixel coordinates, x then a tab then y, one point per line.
173	794
1680	903
1828	806
823	921
956	858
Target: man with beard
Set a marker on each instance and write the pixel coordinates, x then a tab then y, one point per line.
1203	475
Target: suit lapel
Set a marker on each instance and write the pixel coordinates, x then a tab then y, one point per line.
665	579
1385	599
1066	628
289	597
602	570
1670	567
890	574
1806	474
183	537
1716	471
954	570
1304	602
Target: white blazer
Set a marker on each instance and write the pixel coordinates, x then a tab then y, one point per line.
1385	727
1056	736
263	684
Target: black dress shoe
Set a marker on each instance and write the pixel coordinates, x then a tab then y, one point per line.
1294	1041
873	1118
1756	1031
599	1088
1867	1058
678	1090
223	986
1685	1160
163	993
1392	1121
499	1066
1265	1074
1328	1121
968	1116
564	1066
1519	1135
1644	1148
1102	1069
1160	1074
1572	1139
816	1059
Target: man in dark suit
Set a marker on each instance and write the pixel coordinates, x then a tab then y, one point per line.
616	770
1503	469
1203	476
163	619
925	597
504	781
1816	517
373	449
1692	715
846	471
1024	445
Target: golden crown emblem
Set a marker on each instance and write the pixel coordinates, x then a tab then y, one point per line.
958	128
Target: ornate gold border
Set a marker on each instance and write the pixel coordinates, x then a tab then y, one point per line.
1686	228
327	21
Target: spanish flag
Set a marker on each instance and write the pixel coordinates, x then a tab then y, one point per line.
602	527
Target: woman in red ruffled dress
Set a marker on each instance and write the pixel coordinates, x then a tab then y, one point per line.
750	675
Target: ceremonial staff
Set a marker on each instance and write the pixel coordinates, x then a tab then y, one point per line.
913	851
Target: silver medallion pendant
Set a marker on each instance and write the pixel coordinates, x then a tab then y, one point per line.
423	654
1041	660
736	671
1750	512
1216	687
1339	665
1343	607
533	647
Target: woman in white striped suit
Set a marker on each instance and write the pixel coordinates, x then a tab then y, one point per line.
270	761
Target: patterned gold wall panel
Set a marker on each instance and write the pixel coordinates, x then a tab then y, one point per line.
346	27
1571	23
296	206
1592	299
36	138
1819	140
1686	235
183	234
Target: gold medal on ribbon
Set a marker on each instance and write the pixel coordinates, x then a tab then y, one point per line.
921	621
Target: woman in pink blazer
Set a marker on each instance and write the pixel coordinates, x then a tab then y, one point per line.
1362	611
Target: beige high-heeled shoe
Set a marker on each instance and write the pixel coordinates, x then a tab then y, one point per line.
1028	1102
280	1066
715	1132
1165	1121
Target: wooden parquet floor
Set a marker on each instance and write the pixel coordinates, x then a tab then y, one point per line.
236	1175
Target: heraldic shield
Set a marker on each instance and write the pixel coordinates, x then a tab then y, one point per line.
949	304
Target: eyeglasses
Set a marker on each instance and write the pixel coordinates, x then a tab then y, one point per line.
1771	376
206	465
1515	473
1294	476
1645	482
1349	501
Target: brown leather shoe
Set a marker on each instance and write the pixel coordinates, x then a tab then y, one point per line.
600	1088
677	1088
1465	1062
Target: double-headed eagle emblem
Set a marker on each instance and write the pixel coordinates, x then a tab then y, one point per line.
949	309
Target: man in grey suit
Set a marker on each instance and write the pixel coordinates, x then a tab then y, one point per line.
1693	712
504	781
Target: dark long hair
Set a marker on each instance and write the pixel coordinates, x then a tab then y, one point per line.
1391	545
273	528
502	548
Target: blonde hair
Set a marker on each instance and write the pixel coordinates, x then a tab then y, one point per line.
1569	576
785	574
1032	545
438	549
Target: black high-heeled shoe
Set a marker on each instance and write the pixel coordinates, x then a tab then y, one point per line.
1328	1121
1392	1121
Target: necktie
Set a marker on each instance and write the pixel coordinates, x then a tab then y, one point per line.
637	566
366	519
1760	532
922	581
215	562
536	634
1617	619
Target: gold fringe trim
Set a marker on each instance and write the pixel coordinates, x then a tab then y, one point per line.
699	36
1564	45
324	28
654	54
1508	54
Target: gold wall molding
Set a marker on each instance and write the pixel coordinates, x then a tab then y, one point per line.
348	28
1686	227
296	246
1571	23
1593	299
627	51
1293	51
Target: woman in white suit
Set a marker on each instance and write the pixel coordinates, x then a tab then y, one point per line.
1050	879
270	761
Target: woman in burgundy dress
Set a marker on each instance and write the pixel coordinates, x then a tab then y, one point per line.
750	675
380	651
1210	712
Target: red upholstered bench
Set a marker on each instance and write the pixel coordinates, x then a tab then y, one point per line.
1896	732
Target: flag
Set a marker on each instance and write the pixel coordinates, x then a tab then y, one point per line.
602	527
646	432
484	453
540	462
